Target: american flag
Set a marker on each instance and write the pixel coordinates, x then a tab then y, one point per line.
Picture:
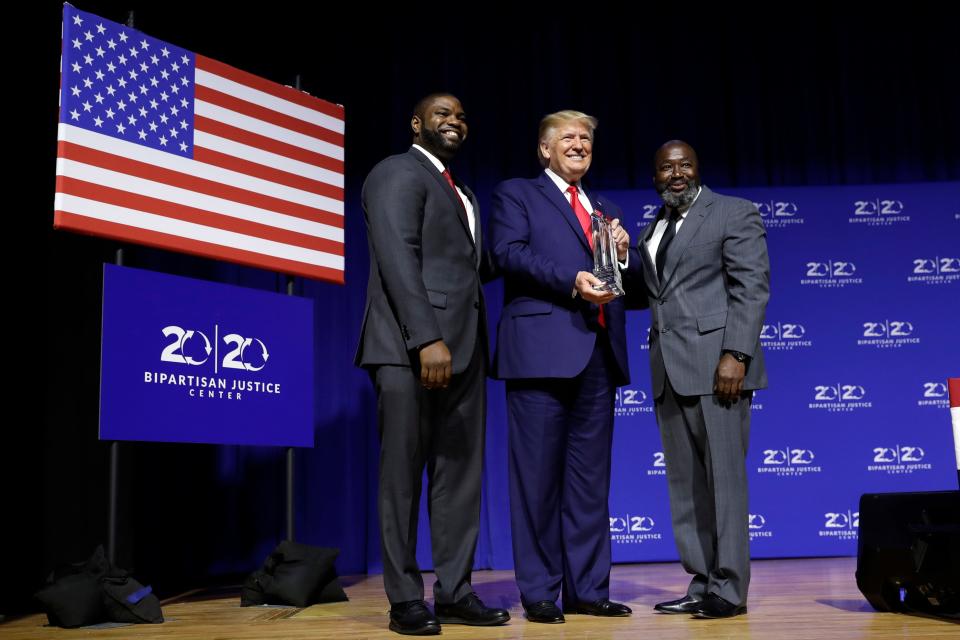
164	147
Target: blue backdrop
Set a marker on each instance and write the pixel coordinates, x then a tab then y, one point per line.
860	337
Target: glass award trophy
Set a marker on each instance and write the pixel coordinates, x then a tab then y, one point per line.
605	265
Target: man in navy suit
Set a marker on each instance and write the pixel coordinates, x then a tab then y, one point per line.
424	342
561	347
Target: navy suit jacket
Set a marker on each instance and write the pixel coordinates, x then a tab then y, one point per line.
539	246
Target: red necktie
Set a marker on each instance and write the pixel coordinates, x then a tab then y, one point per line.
582	214
584	217
449	177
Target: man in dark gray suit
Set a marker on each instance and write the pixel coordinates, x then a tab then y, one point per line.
707	276
424	342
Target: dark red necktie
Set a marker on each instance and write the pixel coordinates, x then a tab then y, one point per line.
584	217
463	208
449	177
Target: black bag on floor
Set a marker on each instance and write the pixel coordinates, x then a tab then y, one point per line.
294	574
94	591
72	601
126	600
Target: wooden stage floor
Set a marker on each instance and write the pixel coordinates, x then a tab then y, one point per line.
808	598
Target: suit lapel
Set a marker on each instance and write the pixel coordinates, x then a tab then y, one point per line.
648	230
559	201
691	223
451	195
649	269
598	205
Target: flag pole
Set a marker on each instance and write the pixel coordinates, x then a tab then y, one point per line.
113	499
291	453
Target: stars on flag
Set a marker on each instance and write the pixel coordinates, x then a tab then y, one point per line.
103	58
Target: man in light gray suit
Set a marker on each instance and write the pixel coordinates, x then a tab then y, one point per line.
705	268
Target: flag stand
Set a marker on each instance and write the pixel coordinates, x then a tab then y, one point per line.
114	467
114	499
291	453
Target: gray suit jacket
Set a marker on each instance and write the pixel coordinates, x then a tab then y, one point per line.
716	283
424	280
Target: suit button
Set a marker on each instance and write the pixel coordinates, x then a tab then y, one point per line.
662	301
476	304
664	330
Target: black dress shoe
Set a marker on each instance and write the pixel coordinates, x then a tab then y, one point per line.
601	607
471	610
713	606
686	604
413	618
544	611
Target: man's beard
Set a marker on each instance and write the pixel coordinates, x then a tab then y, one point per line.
681	200
436	140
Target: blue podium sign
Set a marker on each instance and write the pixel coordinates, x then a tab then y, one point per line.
185	360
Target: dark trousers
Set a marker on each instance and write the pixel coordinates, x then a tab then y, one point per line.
442	430
560	435
705	448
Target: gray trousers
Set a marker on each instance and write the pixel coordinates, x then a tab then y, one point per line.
705	448
442	430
